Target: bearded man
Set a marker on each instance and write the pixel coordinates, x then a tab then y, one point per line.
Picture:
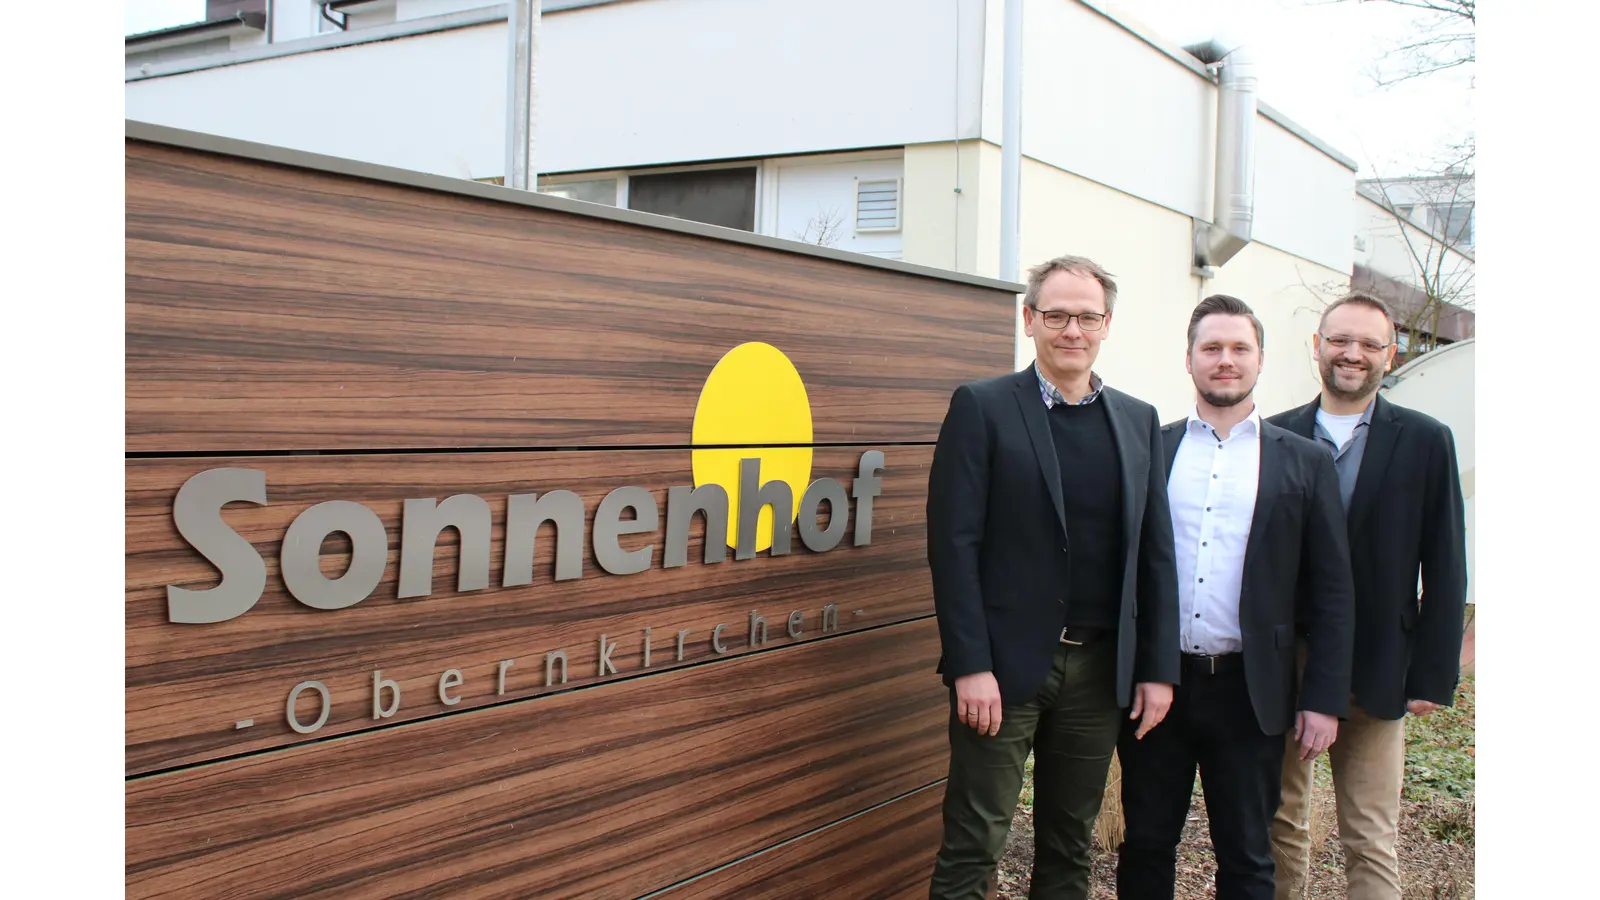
1259	539
1407	642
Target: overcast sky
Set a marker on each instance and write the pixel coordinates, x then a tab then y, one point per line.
1315	62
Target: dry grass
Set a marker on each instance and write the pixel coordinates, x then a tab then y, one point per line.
1108	828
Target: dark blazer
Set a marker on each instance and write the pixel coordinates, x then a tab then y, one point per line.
997	540
1405	648
1296	550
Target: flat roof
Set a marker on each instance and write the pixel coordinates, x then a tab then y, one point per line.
210	143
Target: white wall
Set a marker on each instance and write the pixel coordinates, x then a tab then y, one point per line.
649	82
800	194
431	103
1100	102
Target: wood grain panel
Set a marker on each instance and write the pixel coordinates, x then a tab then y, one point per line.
608	792
885	853
271	308
188	684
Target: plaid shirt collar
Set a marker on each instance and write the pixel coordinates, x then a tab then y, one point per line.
1052	396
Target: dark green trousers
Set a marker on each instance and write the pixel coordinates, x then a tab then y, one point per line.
1071	727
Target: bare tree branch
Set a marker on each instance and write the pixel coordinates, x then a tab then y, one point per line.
1445	40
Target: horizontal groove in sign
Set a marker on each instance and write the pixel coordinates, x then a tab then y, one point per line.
412	451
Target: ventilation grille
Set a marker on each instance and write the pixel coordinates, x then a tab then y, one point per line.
878	205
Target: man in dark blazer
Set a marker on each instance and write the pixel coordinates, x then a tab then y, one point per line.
1256	524
1051	554
1407	649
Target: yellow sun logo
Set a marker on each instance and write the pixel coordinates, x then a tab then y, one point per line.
753	404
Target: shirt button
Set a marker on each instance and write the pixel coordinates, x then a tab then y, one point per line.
1197	615
1202	581
1208	509
1202	543
1213	475
1197	646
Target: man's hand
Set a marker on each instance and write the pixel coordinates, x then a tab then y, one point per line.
1420	707
978	702
1315	731
1151	700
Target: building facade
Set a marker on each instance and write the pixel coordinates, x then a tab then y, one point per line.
867	127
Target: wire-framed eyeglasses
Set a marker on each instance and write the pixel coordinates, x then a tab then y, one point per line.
1341	342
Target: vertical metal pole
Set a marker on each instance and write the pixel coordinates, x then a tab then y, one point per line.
1011	144
522	46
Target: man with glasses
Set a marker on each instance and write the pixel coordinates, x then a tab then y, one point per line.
1050	547
1407	647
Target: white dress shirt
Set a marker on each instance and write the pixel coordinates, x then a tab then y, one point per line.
1212	491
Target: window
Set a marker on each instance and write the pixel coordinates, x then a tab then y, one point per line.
597	191
878	205
725	197
1453	222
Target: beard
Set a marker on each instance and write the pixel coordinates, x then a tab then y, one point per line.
1330	380
1224	400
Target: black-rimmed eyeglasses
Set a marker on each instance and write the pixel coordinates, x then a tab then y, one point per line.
1055	319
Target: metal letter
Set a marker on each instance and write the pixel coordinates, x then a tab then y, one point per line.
752	496
379	711
550	663
682	503
451	678
716	639
866	486
754	621
797	620
830	618
681	635
821	540
500	687
647	648
468	514
524	514
604	662
300	558
197	510
327	703
608	526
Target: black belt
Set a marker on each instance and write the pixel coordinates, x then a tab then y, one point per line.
1195	664
1077	637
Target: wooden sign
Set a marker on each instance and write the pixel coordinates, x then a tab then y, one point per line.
490	544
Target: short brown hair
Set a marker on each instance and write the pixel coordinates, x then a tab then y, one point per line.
1077	265
1224	305
1358	298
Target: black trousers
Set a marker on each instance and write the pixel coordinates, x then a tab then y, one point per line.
1211	725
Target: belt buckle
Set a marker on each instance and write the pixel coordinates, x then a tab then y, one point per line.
1213	661
1067	642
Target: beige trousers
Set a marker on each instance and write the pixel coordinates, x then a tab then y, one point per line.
1368	759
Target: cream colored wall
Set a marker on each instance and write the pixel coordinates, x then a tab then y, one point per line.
1145	246
1288	294
946	228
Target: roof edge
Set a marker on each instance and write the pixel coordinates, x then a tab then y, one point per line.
1189	61
208	143
256	20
